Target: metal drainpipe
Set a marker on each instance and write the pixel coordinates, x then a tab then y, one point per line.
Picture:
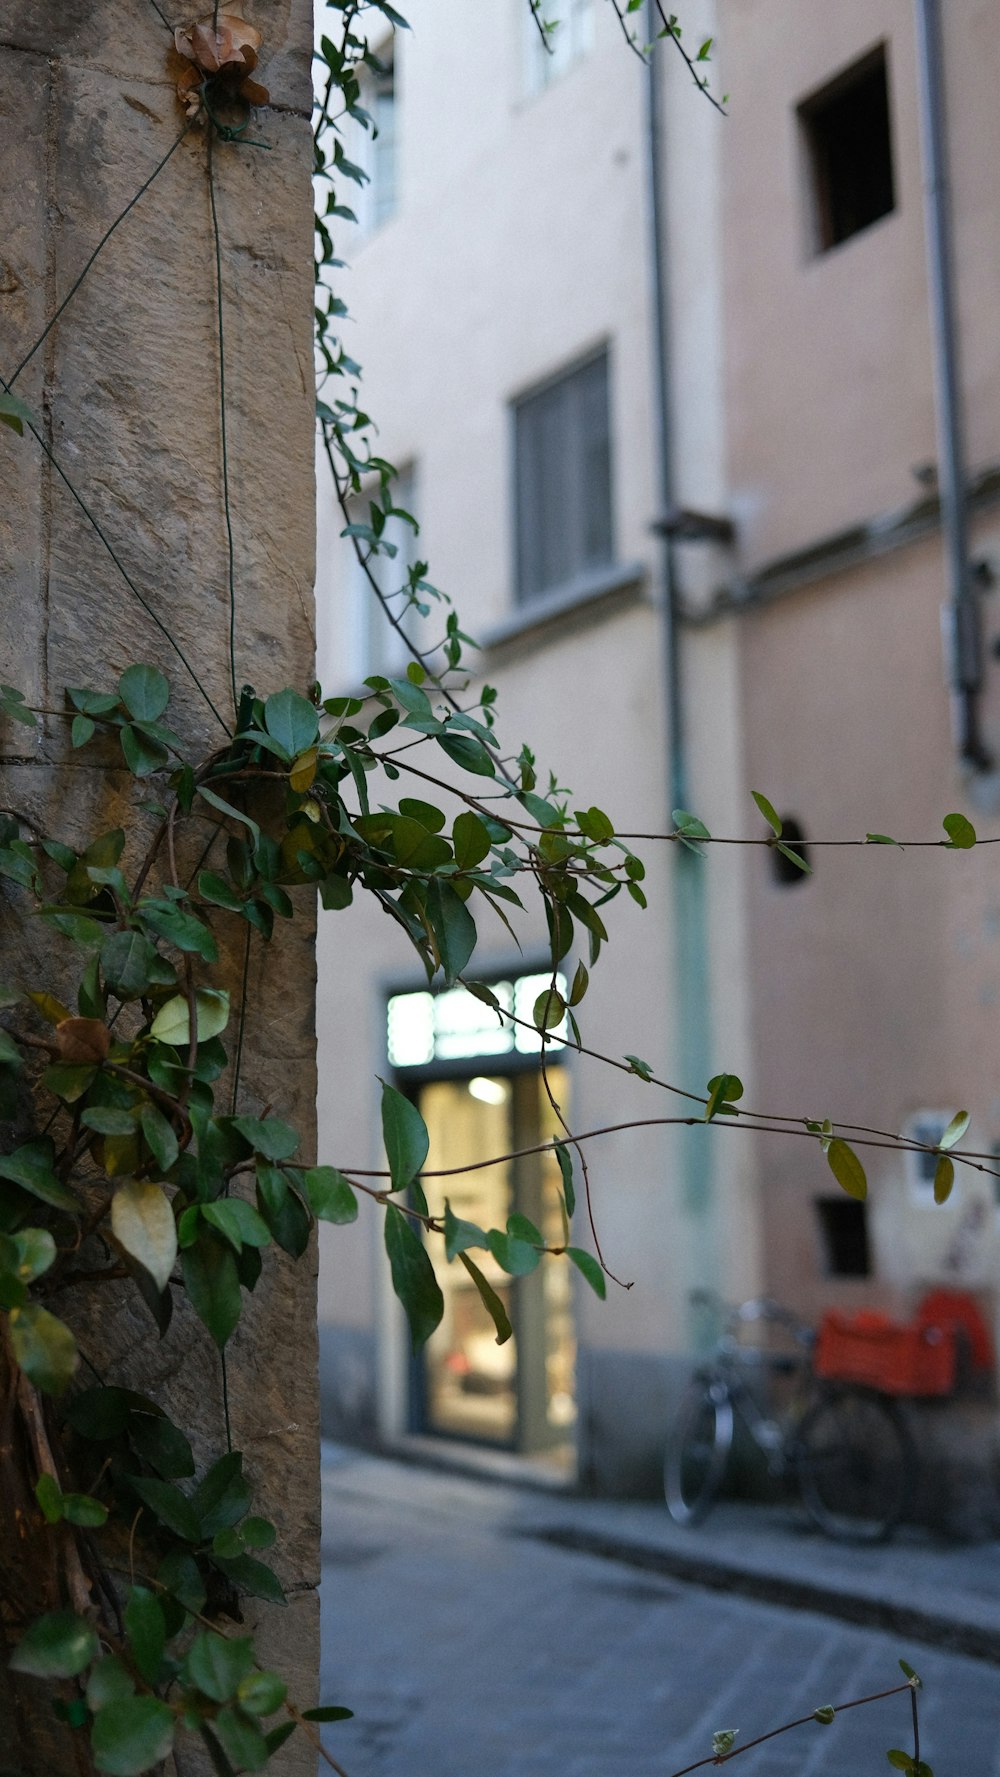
664	453
961	614
688	914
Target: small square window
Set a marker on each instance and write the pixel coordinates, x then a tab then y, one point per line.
562	450
848	143
843	1229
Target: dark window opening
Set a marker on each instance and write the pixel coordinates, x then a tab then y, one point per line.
843	1227
562	462
849	144
783	868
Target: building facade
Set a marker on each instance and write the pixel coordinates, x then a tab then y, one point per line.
665	392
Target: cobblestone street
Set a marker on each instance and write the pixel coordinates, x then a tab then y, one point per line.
470	1647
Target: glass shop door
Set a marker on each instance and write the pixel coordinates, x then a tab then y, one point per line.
519	1395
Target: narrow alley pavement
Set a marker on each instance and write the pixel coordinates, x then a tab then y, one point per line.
478	1629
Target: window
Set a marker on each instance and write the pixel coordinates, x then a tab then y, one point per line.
454	1025
375	150
927	1127
849	149
562	452
375	646
572	38
843	1227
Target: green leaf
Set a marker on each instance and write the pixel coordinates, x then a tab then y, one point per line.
127	959
258	1533
81	730
56	1646
220	892
565	1160
36	1252
454	929
961	833
459	1235
331	1197
589	1268
142	755
795	857
14	413
637	1066
880	839
105	1119
142	1222
144	691
470	840
238	1221
282	1209
490	1300
955	1130
180	1574
222	1496
514	1255
82	1509
30	1166
44	1347
50	1498
328	1712
180	929
163	1445
169	1506
467	752
146	1629
131	1736
413	1276
172	1023
235	814
404	1134
549	1009
944	1179
159	1136
773	821
722	1740
825	1714
254	1577
213	1284
847	1169
594	824
907	1670
292	721
242	1739
261	1693
10	1054
900	1760
723	1090
268	1136
109	1681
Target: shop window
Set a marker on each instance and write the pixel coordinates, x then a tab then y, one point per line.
848	139
562	465
843	1229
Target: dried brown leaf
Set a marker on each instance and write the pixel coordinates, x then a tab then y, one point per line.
84	1042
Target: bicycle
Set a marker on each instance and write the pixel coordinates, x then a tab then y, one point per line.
848	1448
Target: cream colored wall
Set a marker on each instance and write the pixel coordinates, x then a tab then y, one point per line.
520	242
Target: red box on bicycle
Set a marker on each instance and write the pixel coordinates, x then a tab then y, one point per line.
873	1351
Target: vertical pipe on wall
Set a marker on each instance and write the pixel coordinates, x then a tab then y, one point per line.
963	626
688	912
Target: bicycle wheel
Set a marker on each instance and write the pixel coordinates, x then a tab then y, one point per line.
698	1446
856	1464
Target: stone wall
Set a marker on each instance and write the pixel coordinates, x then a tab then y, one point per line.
127	387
